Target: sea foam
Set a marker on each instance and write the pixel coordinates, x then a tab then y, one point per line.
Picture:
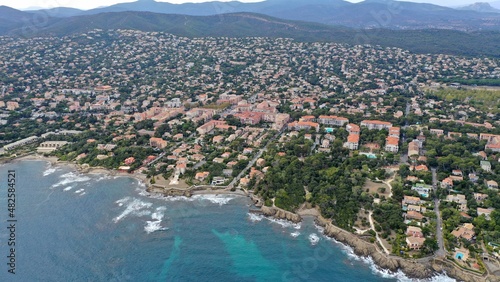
313	238
49	171
214	199
133	206
155	224
70	178
283	223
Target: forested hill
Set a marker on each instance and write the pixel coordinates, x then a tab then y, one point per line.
478	43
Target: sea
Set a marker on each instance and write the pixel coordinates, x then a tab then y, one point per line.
80	227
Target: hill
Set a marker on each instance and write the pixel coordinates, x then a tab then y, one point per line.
480	43
482	7
369	13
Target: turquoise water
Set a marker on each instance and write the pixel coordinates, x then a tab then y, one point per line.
74	227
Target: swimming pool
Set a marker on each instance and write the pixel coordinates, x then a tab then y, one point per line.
459	256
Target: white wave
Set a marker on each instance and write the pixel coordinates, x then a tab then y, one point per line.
83	193
134	206
152	226
70	178
103	177
122	201
49	171
215	199
79	191
155	224
295	234
68	188
172	198
144	193
255	217
313	238
284	223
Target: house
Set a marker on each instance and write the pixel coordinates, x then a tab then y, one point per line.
218	181
392	144
459	199
437	132
480	197
332	120
465	231
414	231
299	125
50	146
180	168
486	212
410	200
218	139
473	177
486	166
129	161
412	178
492	184
414	215
352	142
415	243
201	176
157	143
422	189
353	128
394	132
244	182
376	124
413	149
178	137
419	168
447	183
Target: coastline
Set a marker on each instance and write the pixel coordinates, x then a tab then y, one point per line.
420	269
424	268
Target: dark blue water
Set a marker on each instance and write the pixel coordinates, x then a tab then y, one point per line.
74	227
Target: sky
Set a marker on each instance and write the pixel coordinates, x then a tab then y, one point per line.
90	4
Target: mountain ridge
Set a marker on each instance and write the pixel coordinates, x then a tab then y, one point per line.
478	43
384	13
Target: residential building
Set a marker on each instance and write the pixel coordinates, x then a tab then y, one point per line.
376	124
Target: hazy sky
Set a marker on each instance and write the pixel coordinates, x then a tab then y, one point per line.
89	4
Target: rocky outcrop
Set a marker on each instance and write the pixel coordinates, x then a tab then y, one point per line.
459	274
281	214
256	201
366	249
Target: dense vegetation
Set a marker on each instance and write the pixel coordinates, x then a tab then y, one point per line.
333	181
485	100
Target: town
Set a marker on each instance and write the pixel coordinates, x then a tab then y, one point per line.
385	143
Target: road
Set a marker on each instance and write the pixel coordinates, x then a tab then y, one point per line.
252	162
441	252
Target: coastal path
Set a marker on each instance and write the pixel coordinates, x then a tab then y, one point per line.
439	221
376	233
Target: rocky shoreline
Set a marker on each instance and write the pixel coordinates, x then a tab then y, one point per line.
419	269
